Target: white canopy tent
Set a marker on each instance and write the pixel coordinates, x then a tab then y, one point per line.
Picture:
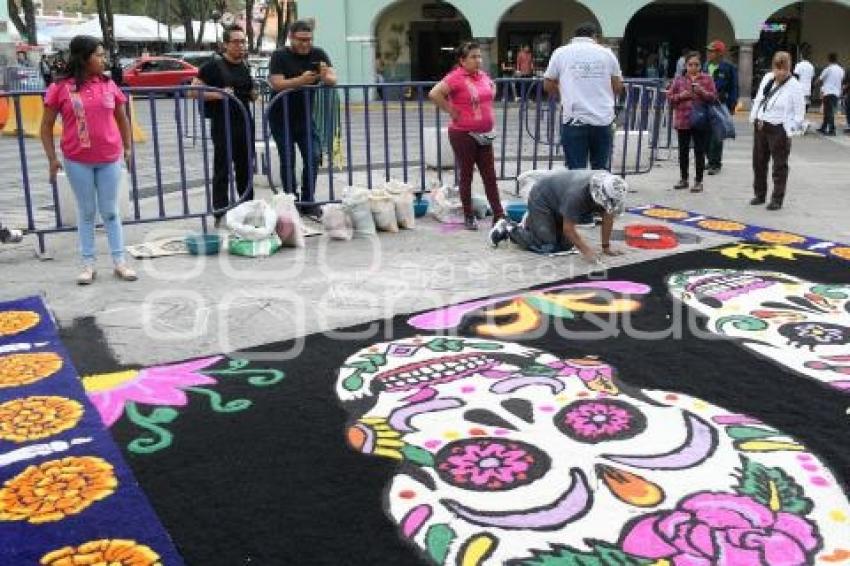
129	29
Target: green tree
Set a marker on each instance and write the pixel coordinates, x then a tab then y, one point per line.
25	26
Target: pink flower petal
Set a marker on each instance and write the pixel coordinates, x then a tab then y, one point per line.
700	539
780	549
801	530
643	540
723	510
729	554
110	407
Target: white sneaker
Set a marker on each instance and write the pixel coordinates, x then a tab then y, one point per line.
87	275
498	233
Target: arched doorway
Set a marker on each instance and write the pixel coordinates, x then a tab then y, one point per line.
659	32
817	28
541	25
415	39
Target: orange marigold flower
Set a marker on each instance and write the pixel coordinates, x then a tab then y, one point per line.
23	369
15	322
783	238
113	552
668	213
32	418
721	225
56	489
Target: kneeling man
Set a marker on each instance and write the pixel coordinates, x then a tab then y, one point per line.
556	205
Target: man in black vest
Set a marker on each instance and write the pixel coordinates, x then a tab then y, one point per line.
230	73
292	68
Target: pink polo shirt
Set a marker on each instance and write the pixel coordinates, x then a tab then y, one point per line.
472	95
89	131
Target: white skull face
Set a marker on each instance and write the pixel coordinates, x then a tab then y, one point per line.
799	324
506	451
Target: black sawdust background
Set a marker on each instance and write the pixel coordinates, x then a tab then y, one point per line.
277	484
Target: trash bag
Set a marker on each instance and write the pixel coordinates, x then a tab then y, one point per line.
526	180
383	211
254	248
288	224
252	220
355	202
480	207
446	206
402	195
337	223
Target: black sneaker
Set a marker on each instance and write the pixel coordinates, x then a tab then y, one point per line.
217	222
757	201
470	223
498	233
774	205
713	170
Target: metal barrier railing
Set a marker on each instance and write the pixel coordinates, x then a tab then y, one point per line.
368	132
142	211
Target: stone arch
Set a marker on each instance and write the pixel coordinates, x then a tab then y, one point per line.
412	46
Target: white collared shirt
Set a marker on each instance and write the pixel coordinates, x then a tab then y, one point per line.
832	77
787	106
584	69
805	72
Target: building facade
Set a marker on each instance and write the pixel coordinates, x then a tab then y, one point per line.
412	39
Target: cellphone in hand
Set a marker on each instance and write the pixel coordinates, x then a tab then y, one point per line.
315	66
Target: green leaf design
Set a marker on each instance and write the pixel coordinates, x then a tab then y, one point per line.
445	345
370	363
160	438
740	322
772	487
836	292
438	539
216	401
749	432
539	370
353	382
489	346
418	456
602	554
549	308
260	377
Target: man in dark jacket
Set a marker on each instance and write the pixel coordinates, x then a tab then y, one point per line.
725	76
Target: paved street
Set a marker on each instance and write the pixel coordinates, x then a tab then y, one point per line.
187	306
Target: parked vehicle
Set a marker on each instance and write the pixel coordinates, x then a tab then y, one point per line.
159	72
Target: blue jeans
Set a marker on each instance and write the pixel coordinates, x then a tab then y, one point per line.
579	142
96	188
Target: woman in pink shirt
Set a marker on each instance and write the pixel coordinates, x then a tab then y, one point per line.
687	91
95	139
466	94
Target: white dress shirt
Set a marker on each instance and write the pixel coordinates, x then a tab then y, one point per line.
832	77
805	72
786	107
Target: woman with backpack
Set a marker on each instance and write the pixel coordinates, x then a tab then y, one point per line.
691	95
778	113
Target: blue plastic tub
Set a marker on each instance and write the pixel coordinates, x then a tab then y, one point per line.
515	210
203	244
420	207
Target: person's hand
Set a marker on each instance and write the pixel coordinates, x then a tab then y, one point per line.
323	70
591	257
253	95
54	168
612	252
128	157
308	78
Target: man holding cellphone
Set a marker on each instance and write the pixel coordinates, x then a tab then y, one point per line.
292	68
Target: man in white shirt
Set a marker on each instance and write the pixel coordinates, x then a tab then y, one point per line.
805	73
830	81
587	77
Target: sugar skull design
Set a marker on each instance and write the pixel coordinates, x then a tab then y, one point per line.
800	324
509	455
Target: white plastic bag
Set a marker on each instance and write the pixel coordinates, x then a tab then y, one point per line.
527	179
383	211
480	207
355	202
252	220
336	222
68	202
446	206
288	224
402	195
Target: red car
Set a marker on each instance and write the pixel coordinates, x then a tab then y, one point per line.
159	72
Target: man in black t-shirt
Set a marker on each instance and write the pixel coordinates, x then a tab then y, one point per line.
293	68
230	73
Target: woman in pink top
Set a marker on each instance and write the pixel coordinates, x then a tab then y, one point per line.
687	91
95	139
466	94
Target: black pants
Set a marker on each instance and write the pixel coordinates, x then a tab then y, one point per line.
543	231
307	142
700	139
714	152
830	101
770	142
242	151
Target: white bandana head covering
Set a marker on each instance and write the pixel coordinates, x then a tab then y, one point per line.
609	192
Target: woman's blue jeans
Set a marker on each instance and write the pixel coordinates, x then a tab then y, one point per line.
95	186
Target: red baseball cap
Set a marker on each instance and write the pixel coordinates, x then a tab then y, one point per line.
717	45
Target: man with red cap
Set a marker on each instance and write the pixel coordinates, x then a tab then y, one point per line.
725	76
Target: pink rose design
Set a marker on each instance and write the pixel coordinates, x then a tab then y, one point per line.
726	530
